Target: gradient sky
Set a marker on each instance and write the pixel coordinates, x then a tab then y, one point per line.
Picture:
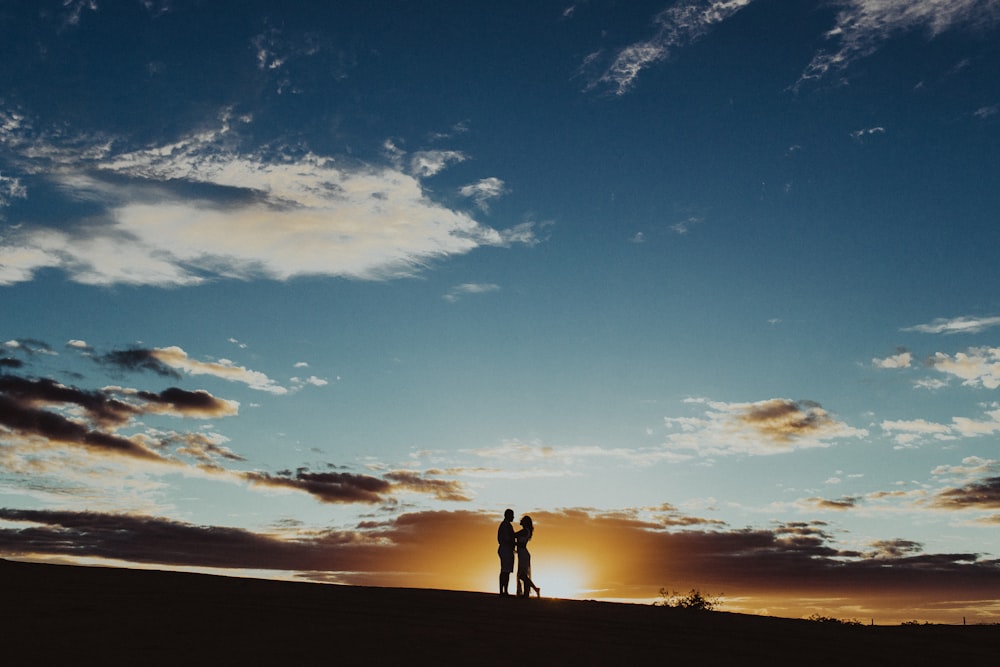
318	289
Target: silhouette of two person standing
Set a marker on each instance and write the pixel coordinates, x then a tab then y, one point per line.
509	541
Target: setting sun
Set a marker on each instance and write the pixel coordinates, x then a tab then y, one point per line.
560	581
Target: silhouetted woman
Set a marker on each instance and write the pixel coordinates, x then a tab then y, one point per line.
521	537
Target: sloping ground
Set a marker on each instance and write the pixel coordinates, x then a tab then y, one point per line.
55	614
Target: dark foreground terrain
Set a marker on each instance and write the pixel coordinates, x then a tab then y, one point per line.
63	615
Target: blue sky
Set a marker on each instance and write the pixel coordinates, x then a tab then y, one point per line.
336	283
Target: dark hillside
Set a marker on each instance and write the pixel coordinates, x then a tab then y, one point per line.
88	616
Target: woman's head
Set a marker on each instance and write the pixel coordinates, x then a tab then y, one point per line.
526	523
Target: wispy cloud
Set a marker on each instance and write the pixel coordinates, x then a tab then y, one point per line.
766	427
536	459
11	189
862	26
914	432
684	226
985	112
859	135
170	361
465	289
175	357
971	466
955	325
483	191
909	432
675	27
196	209
429	163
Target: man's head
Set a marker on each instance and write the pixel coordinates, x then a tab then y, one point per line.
508	515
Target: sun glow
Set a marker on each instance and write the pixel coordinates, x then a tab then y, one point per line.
560	581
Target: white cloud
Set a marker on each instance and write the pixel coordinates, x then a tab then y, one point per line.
972	466
901	360
911	433
483	191
272	218
978	366
971	428
677	26
548	460
429	163
11	188
225	369
863	25
867	132
684	226
965	324
915	426
765	427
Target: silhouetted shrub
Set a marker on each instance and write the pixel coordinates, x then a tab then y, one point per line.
816	618
694	600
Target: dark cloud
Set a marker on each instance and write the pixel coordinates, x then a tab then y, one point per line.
842	503
198	403
99	407
10	362
142	539
894	548
46	409
346	487
136	359
33	422
329	487
400	552
442	489
983	494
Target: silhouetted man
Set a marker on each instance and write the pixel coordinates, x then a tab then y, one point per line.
505	538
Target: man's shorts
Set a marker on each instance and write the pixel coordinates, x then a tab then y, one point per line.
506	560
